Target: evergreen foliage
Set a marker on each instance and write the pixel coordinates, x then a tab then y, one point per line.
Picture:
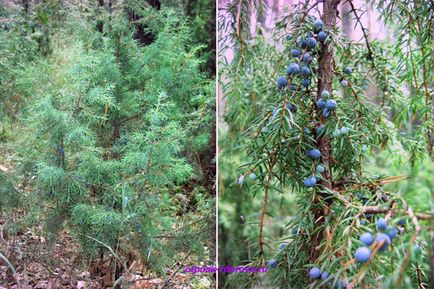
113	129
342	200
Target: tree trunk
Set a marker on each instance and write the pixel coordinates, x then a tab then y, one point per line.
189	8
325	78
100	24
141	35
213	42
26	6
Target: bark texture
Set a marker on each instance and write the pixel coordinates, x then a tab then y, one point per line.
325	78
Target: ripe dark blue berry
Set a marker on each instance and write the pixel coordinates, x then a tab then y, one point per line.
362	254
305	82
347	70
381	224
326	113
282	82
310	182
320	104
381	237
331	104
318	24
314	273
307	58
305	71
314	153
292	107
392	232
322	36
311	42
293	68
295	52
324	275
272	263
366	238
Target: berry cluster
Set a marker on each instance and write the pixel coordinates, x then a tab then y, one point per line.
316	273
315	154
326	104
303	54
362	254
300	71
383	239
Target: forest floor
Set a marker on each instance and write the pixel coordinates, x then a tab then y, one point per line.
41	265
58	263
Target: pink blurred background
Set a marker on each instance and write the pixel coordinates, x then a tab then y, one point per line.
278	8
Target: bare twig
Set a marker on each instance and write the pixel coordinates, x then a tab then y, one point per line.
383	210
376	210
365	35
177	269
264	205
240	39
110	249
313	6
9	264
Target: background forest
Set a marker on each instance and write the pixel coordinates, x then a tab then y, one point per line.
107	123
326	133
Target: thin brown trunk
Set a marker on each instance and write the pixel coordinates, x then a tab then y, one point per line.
100	24
325	78
211	64
144	37
189	8
26	6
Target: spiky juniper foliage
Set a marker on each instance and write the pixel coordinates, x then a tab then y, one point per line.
10	196
15	52
330	211
116	128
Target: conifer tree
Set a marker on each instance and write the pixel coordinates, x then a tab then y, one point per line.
115	128
297	108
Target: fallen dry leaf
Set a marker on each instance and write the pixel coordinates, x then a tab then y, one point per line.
81	284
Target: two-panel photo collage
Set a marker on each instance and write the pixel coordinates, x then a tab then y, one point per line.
230	144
